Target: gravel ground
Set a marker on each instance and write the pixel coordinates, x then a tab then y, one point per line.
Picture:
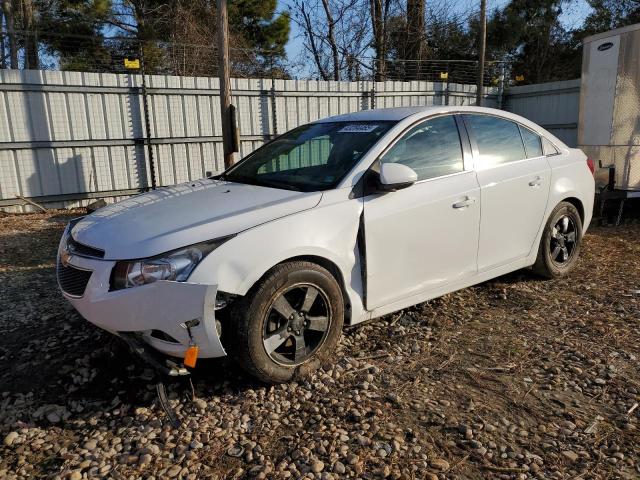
514	378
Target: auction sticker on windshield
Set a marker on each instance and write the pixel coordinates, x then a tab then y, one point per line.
358	128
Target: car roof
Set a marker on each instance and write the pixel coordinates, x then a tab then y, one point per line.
400	113
409	114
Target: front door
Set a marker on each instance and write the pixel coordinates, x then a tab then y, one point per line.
425	236
514	177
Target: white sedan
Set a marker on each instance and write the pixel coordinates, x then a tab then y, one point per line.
338	221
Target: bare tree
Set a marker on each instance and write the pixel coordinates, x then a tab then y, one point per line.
336	35
310	37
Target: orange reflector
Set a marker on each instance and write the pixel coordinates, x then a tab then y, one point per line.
191	355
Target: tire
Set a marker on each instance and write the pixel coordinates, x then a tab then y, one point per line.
557	253
268	330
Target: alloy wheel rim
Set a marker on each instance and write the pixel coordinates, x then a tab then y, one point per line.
296	324
563	240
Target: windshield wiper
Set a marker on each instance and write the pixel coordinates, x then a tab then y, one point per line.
261	183
285	186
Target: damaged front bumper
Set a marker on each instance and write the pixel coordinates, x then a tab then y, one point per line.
163	306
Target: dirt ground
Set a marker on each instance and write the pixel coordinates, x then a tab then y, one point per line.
514	378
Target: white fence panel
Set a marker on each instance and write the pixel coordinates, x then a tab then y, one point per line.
68	137
552	105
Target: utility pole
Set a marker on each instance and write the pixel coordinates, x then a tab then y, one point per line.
226	110
481	51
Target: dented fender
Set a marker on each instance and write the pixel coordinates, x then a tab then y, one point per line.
328	231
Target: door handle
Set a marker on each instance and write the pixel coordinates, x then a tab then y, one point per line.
536	182
468	201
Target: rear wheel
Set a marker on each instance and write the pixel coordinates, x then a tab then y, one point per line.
290	323
560	242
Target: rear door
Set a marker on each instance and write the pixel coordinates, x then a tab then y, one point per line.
424	236
514	178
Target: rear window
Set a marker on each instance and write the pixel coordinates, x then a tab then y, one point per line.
532	142
549	148
498	140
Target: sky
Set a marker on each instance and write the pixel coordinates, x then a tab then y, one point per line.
572	16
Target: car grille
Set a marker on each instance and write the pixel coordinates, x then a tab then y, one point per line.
72	281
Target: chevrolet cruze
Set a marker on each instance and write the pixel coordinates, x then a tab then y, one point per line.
335	222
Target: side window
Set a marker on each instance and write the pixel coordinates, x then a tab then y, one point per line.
532	142
431	148
498	140
548	147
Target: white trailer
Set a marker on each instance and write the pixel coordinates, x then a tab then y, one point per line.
609	124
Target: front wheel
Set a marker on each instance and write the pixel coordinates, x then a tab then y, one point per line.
560	242
290	323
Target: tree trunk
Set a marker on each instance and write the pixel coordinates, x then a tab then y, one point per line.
32	62
415	36
332	40
378	38
7	8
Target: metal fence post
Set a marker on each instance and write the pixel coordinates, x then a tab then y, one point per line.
274	113
147	123
446	88
376	71
364	95
501	86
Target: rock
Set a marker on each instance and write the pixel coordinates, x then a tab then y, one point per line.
439	464
75	475
339	468
200	403
317	466
173	471
10	438
53	417
569	455
90	445
145	459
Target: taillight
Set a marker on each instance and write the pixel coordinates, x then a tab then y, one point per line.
592	166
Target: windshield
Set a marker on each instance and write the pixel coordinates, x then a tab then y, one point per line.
309	158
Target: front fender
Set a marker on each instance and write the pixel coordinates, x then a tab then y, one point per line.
329	231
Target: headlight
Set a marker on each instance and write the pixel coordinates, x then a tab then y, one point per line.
176	265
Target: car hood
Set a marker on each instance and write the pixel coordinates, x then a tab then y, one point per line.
173	217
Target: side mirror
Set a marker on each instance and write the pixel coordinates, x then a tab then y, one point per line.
395	176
